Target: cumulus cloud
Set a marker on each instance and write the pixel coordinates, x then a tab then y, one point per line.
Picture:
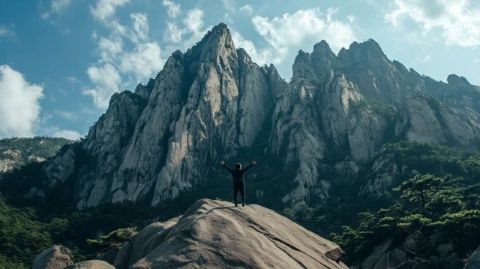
105	9
173	9
247	9
66	114
259	56
184	33
194	20
290	32
425	59
306	26
229	5
19	103
5	31
457	20
106	80
56	8
127	56
68	134
140	25
174	33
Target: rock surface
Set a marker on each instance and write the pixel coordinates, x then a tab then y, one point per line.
215	234
91	264
55	257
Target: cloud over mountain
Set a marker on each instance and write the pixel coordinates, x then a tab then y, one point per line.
19	103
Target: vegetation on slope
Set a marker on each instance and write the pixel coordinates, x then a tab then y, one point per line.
436	195
17	152
435	200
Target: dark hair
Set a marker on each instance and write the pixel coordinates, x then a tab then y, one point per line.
238	166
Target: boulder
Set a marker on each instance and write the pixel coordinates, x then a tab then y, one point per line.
216	234
55	257
91	264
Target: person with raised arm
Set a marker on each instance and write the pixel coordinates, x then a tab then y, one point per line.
238	182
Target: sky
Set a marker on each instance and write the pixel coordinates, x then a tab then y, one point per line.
61	60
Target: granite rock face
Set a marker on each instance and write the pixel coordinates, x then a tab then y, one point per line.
55	257
215	234
213	102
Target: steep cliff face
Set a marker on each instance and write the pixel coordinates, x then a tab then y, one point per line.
206	104
212	102
340	110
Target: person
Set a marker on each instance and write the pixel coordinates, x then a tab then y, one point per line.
238	183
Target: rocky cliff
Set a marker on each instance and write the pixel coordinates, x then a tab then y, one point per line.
215	234
213	102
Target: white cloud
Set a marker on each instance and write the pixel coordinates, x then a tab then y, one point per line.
5	31
127	56
56	8
425	59
290	32
106	80
174	33
184	33
173	9
68	134
105	9
143	61
458	21
19	103
229	5
66	114
259	56
194	20
140	25
247	9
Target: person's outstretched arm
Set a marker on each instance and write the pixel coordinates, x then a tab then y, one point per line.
224	165
250	166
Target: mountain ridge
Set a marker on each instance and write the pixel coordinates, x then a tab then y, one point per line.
213	102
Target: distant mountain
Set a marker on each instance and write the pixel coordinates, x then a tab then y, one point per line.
16	152
214	234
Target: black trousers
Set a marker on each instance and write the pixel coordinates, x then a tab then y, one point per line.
238	186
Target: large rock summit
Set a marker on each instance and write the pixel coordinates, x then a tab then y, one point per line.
216	234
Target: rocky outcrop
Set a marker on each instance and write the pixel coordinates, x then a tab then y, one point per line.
91	264
215	234
213	102
55	257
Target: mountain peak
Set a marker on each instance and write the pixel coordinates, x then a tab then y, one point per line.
458	81
322	48
368	52
217	42
221	27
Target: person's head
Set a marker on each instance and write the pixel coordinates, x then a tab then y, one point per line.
238	166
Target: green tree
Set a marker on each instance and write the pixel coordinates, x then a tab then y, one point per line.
420	189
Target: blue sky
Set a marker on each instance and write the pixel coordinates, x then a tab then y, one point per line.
61	60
